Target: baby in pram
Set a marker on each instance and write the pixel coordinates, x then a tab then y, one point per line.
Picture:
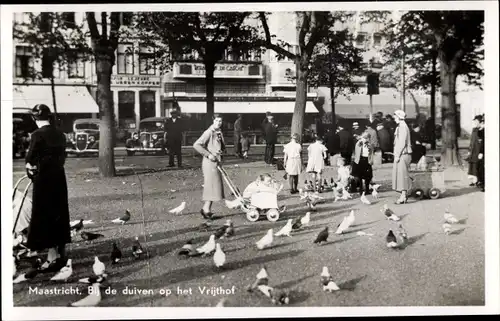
260	196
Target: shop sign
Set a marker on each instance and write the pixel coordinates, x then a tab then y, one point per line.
223	70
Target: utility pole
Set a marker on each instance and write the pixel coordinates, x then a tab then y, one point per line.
403	81
332	89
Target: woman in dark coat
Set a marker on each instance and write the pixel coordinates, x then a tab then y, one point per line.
49	227
473	153
211	146
480	163
417	144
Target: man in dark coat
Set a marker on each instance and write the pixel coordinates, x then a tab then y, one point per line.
271	134
265	121
480	163
49	226
473	153
174	127
384	141
238	128
320	128
346	143
417	144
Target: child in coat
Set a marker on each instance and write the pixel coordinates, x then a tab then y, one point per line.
362	164
316	161
293	162
245	144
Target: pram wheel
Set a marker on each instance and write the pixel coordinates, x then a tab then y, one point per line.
434	193
273	215
419	194
253	215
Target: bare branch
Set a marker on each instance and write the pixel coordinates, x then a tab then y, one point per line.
304	28
104	24
197	26
267	42
92	23
316	34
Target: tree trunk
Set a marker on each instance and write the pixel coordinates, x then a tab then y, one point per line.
104	64
332	102
300	102
209	88
449	151
433	101
53	90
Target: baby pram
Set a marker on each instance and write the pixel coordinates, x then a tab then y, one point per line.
259	203
21	207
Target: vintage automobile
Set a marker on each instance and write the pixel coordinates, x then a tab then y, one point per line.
20	138
85	137
150	138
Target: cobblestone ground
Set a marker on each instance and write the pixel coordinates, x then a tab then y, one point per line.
434	269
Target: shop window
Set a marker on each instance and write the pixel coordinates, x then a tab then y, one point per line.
126	107
126	59
147	61
24	61
147	101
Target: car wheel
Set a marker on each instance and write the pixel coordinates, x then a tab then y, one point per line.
419	194
253	215
273	215
434	193
130	153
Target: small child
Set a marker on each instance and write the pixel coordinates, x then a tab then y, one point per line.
362	164
316	161
263	183
245	144
293	162
343	173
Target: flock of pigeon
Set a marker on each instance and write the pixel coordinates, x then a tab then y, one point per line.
396	238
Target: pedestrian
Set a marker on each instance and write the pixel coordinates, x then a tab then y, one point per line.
49	226
316	162
369	128
417	144
174	127
333	146
480	156
385	142
320	129
238	127
402	157
473	153
265	121
346	144
293	162
362	163
356	130
245	144
211	146
271	135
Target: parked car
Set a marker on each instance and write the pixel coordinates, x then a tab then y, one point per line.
151	137
85	137
20	138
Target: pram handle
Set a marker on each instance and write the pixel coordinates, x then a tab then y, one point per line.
17	184
22	200
228	181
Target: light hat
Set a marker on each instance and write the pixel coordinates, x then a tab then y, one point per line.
400	114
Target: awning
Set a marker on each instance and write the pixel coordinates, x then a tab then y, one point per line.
69	99
244	107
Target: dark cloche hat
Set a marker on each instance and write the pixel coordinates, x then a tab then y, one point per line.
41	112
479	118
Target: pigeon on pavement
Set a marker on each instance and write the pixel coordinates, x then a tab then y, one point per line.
98	267
285	230
77	226
178	209
64	273
94	279
365	200
389	214
208	247
219	256
266	240
31	273
347	221
124	219
450	218
187	249
92	299
88	236
322	236
391	240
137	250
116	254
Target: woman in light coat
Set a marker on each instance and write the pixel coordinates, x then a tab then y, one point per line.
293	162
402	157
211	146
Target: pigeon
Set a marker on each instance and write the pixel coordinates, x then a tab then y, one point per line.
84	222
279	297
90	300
186	249
229	229
447	228
88	236
98	267
266	289
296	224
94	279
124	219
221	303
137	250
208	247
391	239
402	232
346	223
327	281
64	273
285	230
219	233
375	188
219	256
262	278
450	218
365	200
306	219
322	236
178	209
116	254
331	287
31	273
77	227
265	241
346	195
389	214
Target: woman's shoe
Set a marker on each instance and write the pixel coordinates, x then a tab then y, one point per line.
206	215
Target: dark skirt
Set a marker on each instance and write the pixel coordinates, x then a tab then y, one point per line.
49	225
362	170
473	169
417	152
